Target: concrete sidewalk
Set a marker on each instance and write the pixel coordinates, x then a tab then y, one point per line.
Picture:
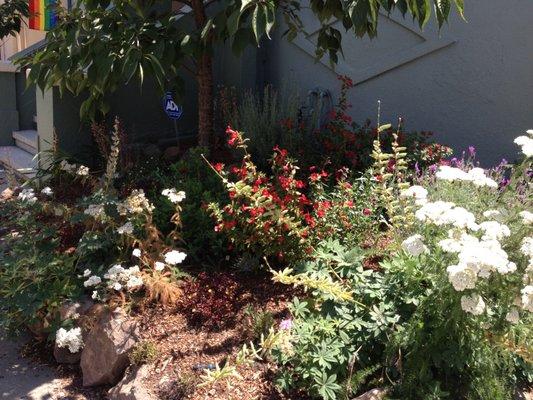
21	378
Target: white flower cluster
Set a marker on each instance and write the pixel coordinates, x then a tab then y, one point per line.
47	191
475	175
80	170
127	228
72	339
93	280
119	277
136	203
414	245
95	210
173	195
175	257
494	230
526	143
473	304
27	195
491	213
527	298
527	217
418	193
443	213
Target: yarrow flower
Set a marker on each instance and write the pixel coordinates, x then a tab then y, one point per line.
526	143
445	213
173	195
462	277
127	228
27	195
418	193
527	247
47	191
136	253
119	277
473	304
414	245
175	257
82	170
159	266
457	240
491	213
494	230
71	339
475	175
95	210
527	298
136	203
92	281
527	217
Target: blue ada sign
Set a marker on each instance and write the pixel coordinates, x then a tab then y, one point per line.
171	108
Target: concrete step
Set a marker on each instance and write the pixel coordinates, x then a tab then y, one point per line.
19	160
26	140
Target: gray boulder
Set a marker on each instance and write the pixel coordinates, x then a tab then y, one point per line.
133	387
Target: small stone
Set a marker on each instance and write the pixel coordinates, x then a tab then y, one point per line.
133	387
6	194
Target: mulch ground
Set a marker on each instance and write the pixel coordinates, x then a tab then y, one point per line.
185	345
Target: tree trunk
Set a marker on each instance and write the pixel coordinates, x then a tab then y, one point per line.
204	78
205	100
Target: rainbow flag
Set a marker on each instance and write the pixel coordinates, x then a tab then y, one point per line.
42	16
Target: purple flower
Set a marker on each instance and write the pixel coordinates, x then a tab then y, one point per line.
504	182
286	324
472	151
417	169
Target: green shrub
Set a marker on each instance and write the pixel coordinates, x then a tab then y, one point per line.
144	352
36	274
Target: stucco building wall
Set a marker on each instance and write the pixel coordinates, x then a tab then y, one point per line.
472	83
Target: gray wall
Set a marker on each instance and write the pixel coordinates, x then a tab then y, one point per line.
470	84
8	108
25	102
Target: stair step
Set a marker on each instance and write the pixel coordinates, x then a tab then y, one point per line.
21	161
26	140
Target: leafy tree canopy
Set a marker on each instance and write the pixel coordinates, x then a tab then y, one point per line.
102	45
12	13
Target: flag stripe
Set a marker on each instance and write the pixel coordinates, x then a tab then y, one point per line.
42	16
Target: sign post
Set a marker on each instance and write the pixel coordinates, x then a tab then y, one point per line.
173	111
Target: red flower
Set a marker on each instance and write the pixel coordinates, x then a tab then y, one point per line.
234	136
218	167
367	211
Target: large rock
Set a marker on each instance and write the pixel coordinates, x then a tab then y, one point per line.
105	355
133	387
374	394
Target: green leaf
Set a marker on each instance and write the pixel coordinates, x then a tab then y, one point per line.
258	22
